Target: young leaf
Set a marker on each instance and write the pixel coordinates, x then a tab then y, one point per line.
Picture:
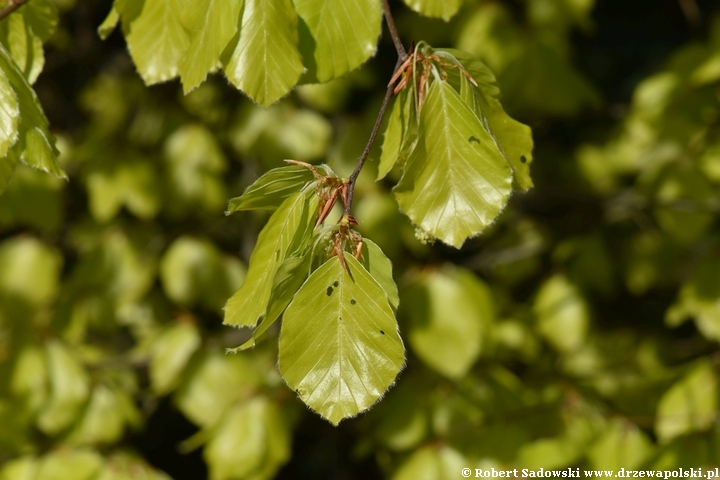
157	40
512	139
212	24
455	182
562	313
7	169
271	189
380	268
345	33
35	145
9	118
24	46
266	62
400	135
445	9
249	304
339	346
109	24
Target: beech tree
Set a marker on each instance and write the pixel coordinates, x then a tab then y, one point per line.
392	258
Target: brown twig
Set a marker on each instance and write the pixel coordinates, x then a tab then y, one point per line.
12	6
402	57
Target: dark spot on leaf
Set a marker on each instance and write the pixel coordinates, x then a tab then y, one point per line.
329	291
382	332
474	139
523	159
336	284
340	318
352	302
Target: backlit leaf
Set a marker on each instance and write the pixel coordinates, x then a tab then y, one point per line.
339	346
400	134
271	189
562	313
212	24
444	9
455	182
249	304
170	354
266	62
9	121
353	25
381	269
157	40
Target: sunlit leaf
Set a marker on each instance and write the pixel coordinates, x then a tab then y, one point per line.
624	445
249	304
430	463
170	354
36	145
212	24
354	25
691	404
381	269
698	298
157	40
108	25
455	182
343	361
400	134
448	313
103	421
9	121
29	270
445	9
266	62
271	189
80	464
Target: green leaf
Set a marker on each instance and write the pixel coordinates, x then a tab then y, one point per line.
252	440
103	420
157	40
80	464
690	405
29	270
7	169
400	134
455	182
36	145
431	463
170	354
698	298
562	313
43	18
212	24
624	445
381	269
270	190
24	46
124	466
448	313
343	34
445	9
109	24
512	139
266	62
213	385
345	359
69	390
9	119
249	304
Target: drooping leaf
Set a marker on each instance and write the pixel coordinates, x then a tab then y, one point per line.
157	40
448	313
9	122
512	139
266	62
690	405
381	269
339	346
249	304
353	25
212	24
445	9
271	189
109	24
400	135
455	182
35	145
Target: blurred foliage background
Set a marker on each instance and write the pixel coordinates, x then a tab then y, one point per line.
581	330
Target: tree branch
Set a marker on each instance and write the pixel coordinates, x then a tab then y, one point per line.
12	6
402	56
